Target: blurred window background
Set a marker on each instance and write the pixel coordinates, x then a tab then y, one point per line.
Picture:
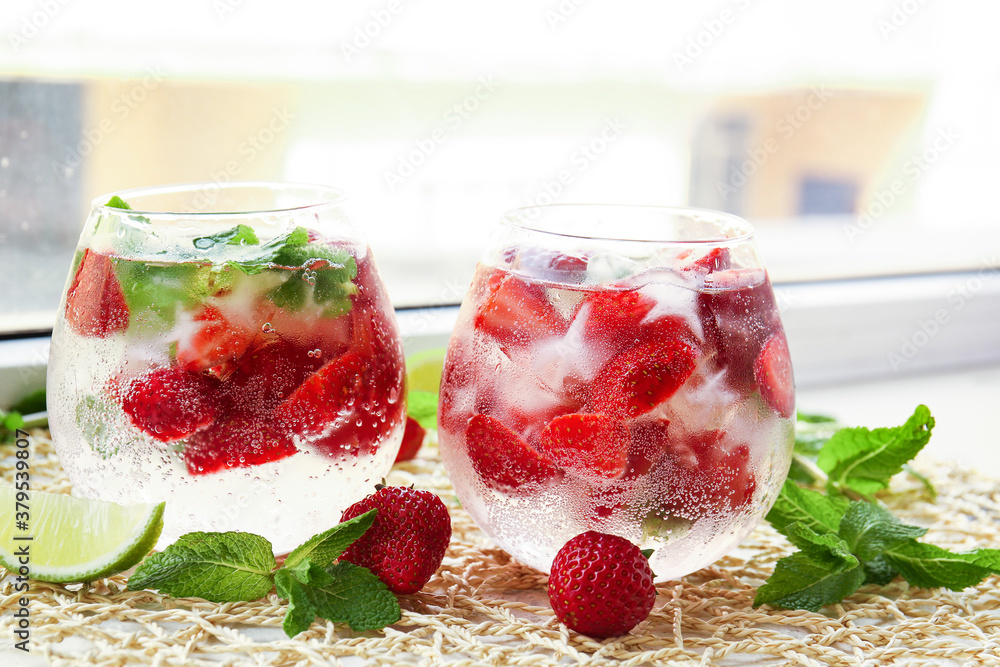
859	137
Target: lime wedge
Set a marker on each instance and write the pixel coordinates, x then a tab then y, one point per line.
423	370
74	539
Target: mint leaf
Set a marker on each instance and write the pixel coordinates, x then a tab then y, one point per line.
878	571
300	612
823	572
812	509
342	593
870	529
30	404
220	567
327	546
863	460
930	566
354	596
238	235
118	202
422	406
814	418
277	252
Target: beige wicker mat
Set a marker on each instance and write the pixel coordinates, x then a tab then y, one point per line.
483	608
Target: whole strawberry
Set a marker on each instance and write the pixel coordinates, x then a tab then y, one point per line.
601	585
406	544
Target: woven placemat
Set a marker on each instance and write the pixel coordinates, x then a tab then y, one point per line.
484	608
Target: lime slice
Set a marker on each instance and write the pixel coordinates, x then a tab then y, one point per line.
74	539
423	370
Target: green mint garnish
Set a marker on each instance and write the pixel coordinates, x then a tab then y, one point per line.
238	235
863	460
823	572
231	567
847	539
327	546
332	593
118	202
220	567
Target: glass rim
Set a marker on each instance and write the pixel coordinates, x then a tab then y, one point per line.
325	195
518	218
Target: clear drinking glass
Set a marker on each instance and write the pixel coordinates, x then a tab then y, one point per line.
620	369
229	349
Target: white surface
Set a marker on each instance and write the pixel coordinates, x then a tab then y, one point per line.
963	402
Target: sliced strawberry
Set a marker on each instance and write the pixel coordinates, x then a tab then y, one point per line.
516	312
95	302
325	396
638	379
737	316
773	373
413	440
237	440
716	259
708	477
264	377
648	440
547	264
216	345
170	403
590	445
502	459
613	316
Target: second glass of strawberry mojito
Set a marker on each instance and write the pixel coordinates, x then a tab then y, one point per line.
620	369
231	350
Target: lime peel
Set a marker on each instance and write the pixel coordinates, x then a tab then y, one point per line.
76	539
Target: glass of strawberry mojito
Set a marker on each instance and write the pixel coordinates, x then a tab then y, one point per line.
620	369
229	349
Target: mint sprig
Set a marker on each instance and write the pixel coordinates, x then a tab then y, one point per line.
846	537
27	413
232	567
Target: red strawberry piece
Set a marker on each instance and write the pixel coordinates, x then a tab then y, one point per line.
601	585
502	459
216	343
613	316
591	445
405	545
737	316
773	373
170	403
635	381
707	476
236	440
516	312
547	264
413	440
320	400
648	440
716	259
266	376
95	302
